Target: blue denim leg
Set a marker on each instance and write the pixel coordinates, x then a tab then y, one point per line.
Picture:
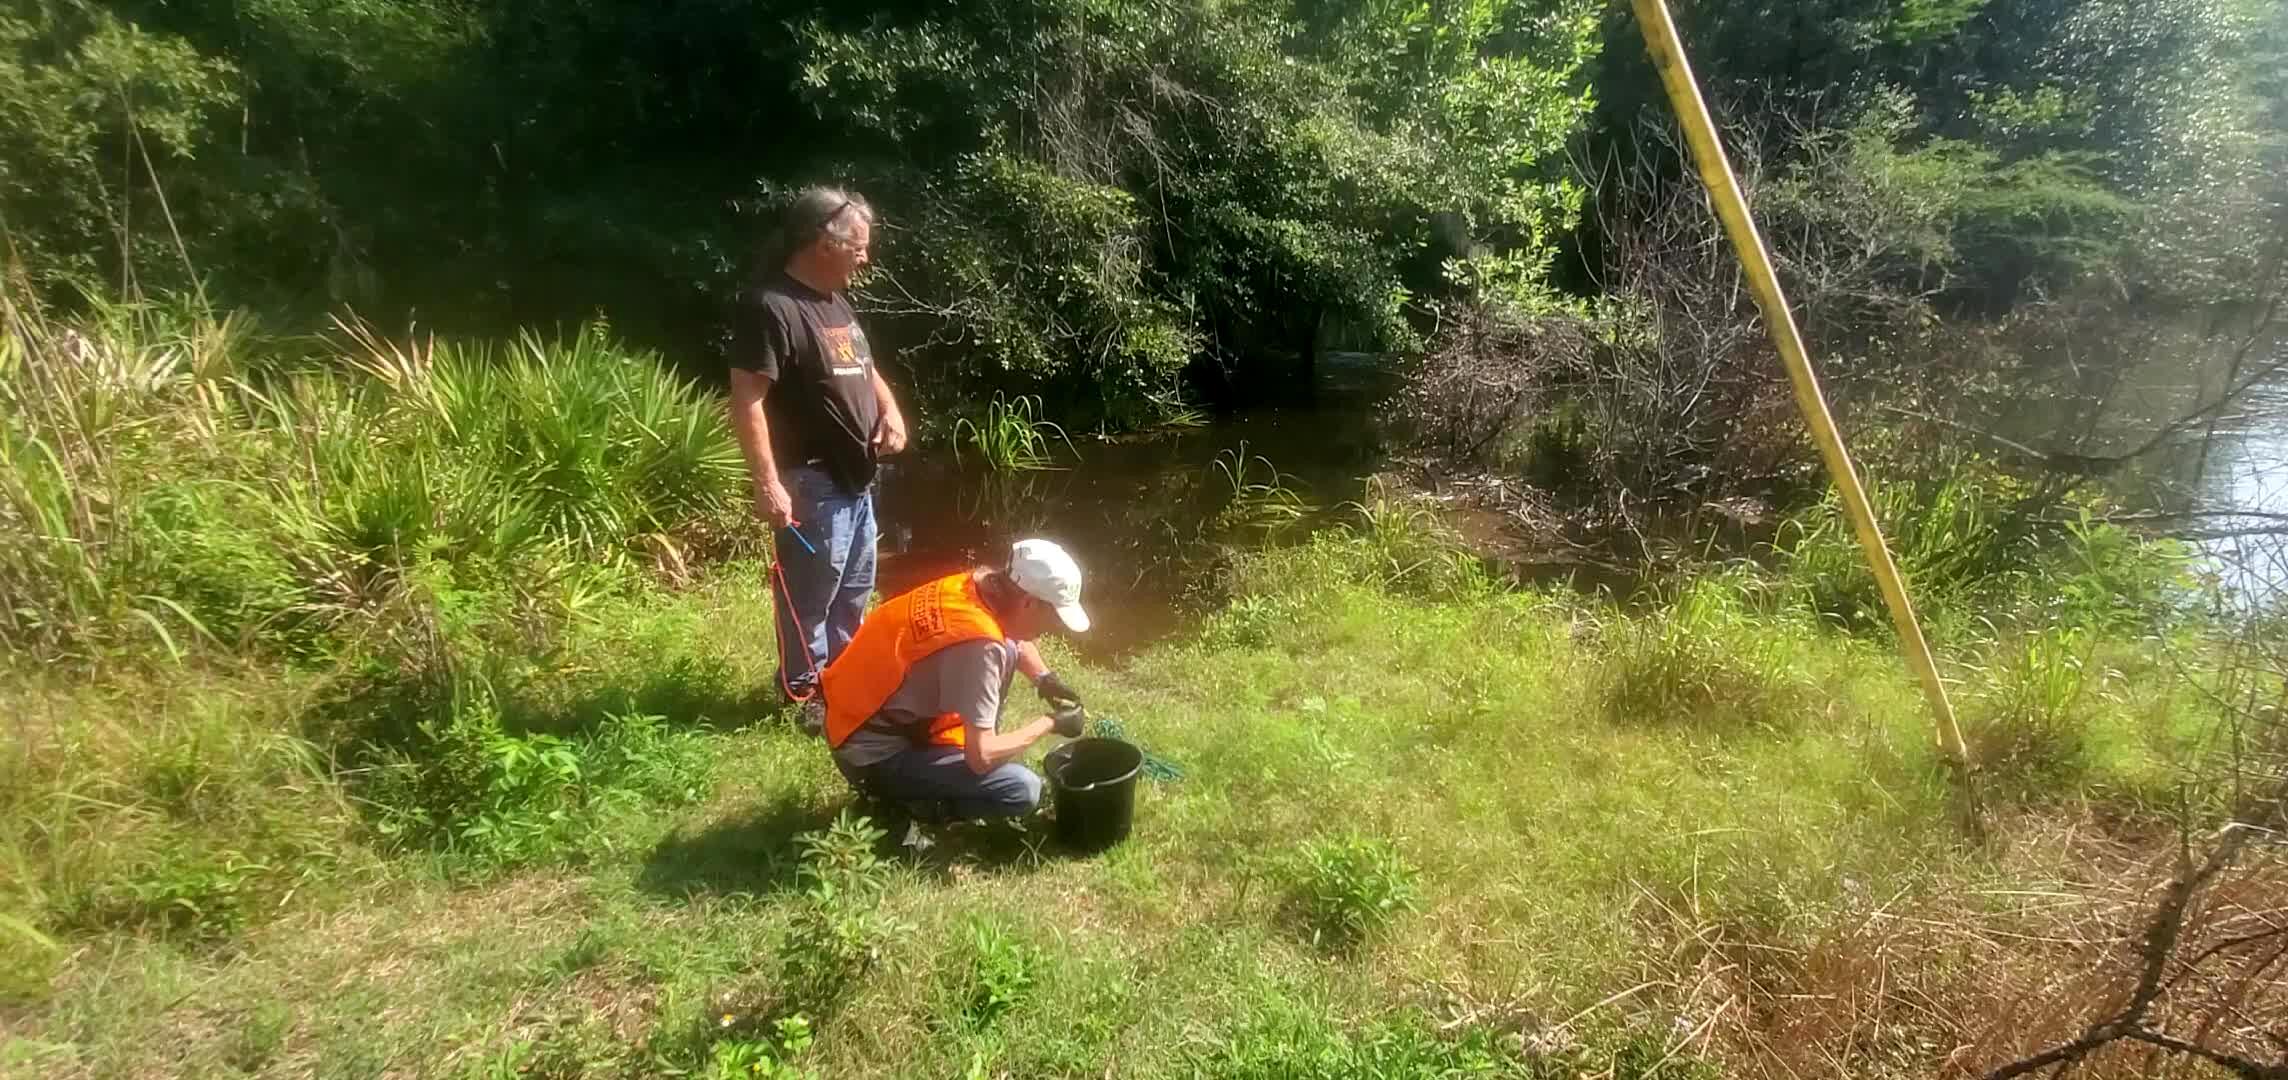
841	535
848	608
942	773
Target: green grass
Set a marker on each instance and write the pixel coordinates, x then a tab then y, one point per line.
407	711
1399	810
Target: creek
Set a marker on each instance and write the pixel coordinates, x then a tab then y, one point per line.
1139	512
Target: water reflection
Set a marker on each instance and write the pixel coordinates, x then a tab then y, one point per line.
2224	473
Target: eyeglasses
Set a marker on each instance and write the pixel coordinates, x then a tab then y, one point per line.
832	214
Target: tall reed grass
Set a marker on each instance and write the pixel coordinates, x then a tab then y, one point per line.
167	477
1011	436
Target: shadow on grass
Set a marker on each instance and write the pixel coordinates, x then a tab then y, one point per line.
385	705
754	853
759	853
706	704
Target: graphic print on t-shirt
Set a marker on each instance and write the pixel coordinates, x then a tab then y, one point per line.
844	348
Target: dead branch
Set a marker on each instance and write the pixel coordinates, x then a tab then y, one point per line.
2162	933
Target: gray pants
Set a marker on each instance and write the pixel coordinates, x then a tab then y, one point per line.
941	774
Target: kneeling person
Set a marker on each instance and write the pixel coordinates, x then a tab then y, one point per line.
913	702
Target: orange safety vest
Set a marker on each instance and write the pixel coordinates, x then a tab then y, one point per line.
895	637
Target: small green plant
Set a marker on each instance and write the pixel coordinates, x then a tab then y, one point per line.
28	961
1012	436
638	756
567	1046
1261	499
1348	887
762	1059
1247	622
190	896
845	856
2028	723
1407	548
835	937
467	785
1970	548
1000	973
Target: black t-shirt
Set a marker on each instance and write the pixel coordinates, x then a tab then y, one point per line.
821	406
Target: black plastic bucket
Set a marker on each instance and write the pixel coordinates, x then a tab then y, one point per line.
1094	783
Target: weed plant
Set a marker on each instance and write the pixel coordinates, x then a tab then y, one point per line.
172	489
1260	499
1348	887
1970	552
1011	436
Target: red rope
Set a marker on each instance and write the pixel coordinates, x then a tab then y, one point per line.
786	596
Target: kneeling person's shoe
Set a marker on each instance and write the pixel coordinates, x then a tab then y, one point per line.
813	717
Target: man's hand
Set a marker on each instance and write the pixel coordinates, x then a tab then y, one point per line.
1054	690
773	504
1070	720
890	433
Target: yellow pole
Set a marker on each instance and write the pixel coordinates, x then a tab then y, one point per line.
1724	190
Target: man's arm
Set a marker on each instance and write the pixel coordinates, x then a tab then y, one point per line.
973	688
890	430
748	389
1029	662
987	749
1032	666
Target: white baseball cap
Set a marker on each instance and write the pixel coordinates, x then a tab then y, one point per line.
1043	570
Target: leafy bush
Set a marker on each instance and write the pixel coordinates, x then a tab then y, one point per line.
1348	887
836	936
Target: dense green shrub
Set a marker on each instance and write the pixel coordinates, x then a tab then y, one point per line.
1081	197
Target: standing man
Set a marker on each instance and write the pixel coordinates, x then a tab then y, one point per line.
813	415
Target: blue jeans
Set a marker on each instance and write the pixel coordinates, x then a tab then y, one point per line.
829	588
941	774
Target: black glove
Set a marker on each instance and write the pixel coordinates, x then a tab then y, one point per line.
1053	689
1070	719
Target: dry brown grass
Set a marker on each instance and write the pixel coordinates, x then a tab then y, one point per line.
1966	979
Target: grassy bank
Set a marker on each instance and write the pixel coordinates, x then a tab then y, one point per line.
1742	855
478	776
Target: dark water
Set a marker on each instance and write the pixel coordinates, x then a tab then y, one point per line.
1135	511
